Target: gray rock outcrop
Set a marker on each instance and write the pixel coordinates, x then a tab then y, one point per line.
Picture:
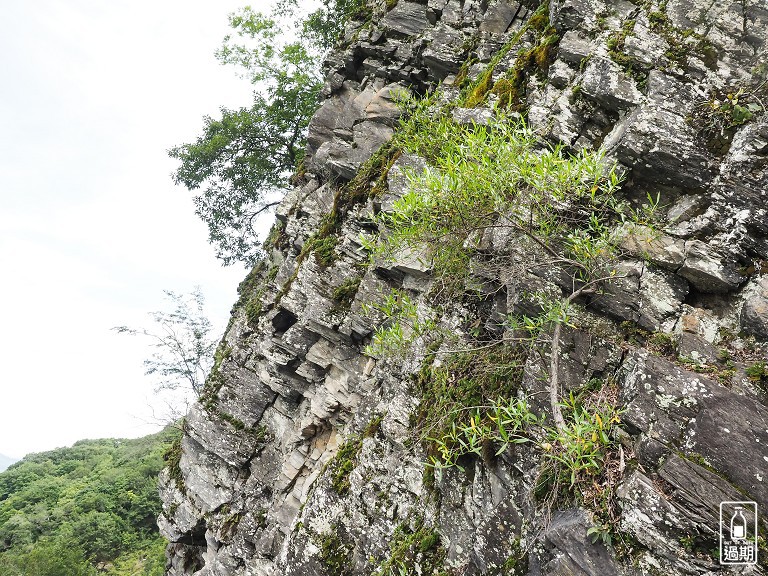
301	458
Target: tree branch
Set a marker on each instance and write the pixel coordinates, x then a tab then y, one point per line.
554	356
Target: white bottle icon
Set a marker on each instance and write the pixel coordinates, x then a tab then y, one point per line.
738	525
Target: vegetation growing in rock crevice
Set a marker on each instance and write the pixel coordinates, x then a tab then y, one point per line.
469	404
344	293
172	458
717	119
215	380
536	59
411	548
631	66
369	181
496	177
344	463
486	179
681	44
335	553
493	199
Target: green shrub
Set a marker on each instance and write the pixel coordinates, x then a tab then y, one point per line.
325	250
402	326
561	210
663	344
758	372
497	176
579	450
172	457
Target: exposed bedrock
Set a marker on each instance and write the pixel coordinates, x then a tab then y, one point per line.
301	458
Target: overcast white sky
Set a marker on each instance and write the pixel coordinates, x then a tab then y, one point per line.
92	94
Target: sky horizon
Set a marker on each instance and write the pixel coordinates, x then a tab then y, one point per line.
93	230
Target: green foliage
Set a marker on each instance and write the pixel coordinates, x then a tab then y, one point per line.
552	311
146	561
251	284
468	404
580	449
346	458
215	380
414	552
601	532
250	293
563	206
663	344
244	158
510	89
373	426
496	176
717	119
324	249
516	563
335	554
344	293
469	408
324	27
581	465
561	210
758	372
65	511
47	558
657	19
402	327
343	464
733	110
277	238
369	181
682	43
172	457
480	89
615	46
490	428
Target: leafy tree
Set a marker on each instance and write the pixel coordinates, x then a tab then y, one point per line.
183	343
17	531
100	534
243	160
47	558
65	511
245	157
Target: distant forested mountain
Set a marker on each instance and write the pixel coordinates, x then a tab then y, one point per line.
85	510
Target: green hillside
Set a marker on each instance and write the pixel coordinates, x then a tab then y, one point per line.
85	510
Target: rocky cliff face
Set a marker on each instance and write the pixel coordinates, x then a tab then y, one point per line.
301	457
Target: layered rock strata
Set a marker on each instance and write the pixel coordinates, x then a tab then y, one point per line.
258	489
